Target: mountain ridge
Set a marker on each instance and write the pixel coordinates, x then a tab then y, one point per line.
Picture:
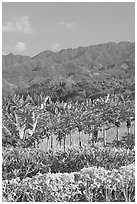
83	47
90	63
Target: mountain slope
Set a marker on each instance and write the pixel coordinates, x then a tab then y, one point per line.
93	63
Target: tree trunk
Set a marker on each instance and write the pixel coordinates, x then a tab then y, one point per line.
60	143
91	134
89	138
117	136
47	143
64	143
70	139
134	127
80	140
51	142
128	131
105	135
102	132
36	144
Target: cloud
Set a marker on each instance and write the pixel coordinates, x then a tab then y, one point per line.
8	27
21	24
56	46
20	46
66	25
6	49
4	52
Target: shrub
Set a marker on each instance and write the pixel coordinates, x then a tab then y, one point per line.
128	141
90	184
22	163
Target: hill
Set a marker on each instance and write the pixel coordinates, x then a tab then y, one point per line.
84	65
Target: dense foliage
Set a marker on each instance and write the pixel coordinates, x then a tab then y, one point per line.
22	163
25	124
68	90
95	172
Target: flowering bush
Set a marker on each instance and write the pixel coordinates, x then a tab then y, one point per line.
115	185
90	184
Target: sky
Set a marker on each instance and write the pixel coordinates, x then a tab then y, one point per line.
29	28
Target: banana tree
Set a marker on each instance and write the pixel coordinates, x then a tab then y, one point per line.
104	132
88	130
46	134
64	138
128	126
117	124
23	121
60	136
79	127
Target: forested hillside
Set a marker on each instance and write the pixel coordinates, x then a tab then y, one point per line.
72	73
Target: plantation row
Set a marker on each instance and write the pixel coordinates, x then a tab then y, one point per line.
89	185
82	173
27	125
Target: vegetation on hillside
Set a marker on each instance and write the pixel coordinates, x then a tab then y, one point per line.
51	96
